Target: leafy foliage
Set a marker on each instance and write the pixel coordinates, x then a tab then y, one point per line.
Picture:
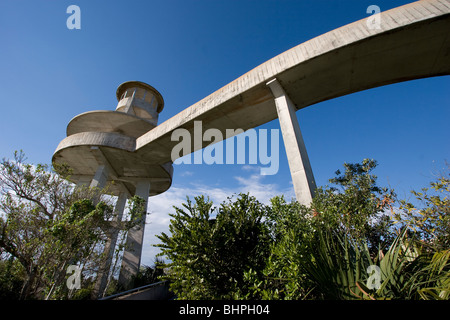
149	274
209	252
351	243
291	232
356	204
345	246
46	224
432	222
12	277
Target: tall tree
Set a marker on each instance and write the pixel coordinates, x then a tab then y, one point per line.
47	224
355	204
430	218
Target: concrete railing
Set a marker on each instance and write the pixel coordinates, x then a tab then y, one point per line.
155	291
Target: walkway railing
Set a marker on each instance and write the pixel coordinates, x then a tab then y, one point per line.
154	291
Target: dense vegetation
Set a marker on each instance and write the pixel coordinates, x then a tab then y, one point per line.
47	226
356	241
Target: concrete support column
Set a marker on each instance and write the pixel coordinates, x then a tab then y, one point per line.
100	177
131	259
103	272
99	181
301	172
84	181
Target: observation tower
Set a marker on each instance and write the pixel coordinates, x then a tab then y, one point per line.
99	150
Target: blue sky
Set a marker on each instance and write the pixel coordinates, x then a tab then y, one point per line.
187	49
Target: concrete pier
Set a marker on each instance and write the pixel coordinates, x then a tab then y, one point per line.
299	165
131	259
113	232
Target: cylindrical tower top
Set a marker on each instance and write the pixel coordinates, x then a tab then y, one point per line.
140	99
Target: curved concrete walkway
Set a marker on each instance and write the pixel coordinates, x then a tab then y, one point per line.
413	43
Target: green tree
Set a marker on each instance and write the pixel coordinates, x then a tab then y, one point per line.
149	274
210	249
431	222
46	224
356	205
355	236
291	231
12	277
344	246
316	251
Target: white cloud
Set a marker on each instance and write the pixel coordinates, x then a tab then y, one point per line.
248	167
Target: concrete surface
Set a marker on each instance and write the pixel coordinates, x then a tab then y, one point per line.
413	43
301	172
